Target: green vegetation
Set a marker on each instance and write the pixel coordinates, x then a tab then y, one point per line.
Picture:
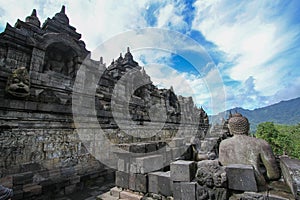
284	139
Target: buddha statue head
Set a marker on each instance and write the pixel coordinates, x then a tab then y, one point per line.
18	83
238	125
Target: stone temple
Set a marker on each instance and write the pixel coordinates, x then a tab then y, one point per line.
158	145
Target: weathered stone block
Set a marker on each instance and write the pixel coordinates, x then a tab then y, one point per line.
150	147
153	182
133	168
182	170
122	179
176	142
184	190
137	148
160	183
141	183
123	164
33	189
132	180
23	178
176	190
241	177
130	195
115	192
149	163
188	190
177	152
291	172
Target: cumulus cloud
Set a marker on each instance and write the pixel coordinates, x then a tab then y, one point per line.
255	37
171	16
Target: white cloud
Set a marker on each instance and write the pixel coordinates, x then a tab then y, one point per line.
170	16
101	20
252	40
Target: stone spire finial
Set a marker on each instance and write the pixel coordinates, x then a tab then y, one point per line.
172	89
61	16
128	55
33	19
63	9
33	14
120	59
101	60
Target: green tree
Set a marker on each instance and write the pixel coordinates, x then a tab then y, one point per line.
268	132
284	139
289	139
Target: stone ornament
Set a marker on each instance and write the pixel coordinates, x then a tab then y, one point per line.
18	84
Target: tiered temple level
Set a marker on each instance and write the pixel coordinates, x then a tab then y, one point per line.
40	150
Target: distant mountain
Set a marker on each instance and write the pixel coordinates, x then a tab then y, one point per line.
284	112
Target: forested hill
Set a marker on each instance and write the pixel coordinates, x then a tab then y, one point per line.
284	112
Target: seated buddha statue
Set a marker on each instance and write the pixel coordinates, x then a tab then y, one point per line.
243	149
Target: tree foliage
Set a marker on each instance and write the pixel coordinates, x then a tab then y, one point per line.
284	139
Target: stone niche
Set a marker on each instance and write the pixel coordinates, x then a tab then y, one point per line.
60	58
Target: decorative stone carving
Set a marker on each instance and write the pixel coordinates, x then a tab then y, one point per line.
243	149
18	84
211	178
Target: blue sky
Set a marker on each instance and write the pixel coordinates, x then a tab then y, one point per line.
254	45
